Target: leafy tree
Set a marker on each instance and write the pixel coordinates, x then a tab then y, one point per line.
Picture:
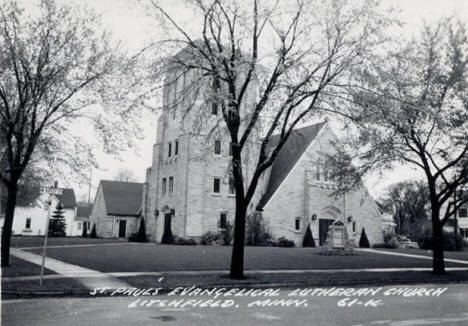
93	233
57	225
308	238
413	109
57	67
125	175
363	241
410	200
265	68
85	230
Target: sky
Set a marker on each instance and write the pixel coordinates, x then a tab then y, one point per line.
128	22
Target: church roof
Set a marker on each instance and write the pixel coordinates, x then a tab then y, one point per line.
122	198
288	156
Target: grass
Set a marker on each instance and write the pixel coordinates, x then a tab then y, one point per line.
20	267
156	258
34	241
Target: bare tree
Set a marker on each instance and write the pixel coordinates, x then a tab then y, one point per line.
290	59
413	109
125	175
56	66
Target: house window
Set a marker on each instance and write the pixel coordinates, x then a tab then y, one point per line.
164	186
79	226
230	149
464	232
232	187
223	220
28	223
354	227
176	147
216	185
463	212
297	224
171	184
217	147
169	149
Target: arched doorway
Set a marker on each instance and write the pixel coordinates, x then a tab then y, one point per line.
328	215
167	233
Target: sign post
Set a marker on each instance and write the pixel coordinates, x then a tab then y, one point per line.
50	191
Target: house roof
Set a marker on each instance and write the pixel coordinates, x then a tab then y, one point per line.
288	156
122	198
67	198
83	211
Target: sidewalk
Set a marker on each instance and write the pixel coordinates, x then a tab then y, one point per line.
88	277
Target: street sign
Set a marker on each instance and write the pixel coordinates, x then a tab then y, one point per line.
51	191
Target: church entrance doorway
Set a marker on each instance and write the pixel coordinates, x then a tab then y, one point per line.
167	235
323	229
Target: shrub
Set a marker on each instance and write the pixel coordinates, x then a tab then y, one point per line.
308	238
257	234
363	241
283	242
209	238
391	241
425	240
93	232
184	241
141	235
84	234
227	234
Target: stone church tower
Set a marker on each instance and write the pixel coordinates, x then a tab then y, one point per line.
188	189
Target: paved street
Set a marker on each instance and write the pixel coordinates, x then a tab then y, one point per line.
386	307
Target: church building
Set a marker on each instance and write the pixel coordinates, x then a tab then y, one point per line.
189	191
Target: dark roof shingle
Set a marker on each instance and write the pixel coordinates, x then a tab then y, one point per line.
122	198
83	210
288	156
67	198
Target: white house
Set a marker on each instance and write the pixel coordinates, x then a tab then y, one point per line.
31	220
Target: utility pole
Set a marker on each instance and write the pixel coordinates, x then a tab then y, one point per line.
455	219
51	191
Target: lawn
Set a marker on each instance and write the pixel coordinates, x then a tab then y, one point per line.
20	267
26	241
157	258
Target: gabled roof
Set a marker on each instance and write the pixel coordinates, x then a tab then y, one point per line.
83	211
67	198
292	150
122	198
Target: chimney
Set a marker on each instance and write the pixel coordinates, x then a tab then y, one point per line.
55	184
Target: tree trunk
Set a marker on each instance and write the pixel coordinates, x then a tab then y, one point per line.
438	264
12	190
237	259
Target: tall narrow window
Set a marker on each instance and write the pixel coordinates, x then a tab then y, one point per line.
230	148
223	220
28	223
171	185
164	186
176	147
297	224
232	187
216	185
354	227
217	147
169	149
463	212
317	171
